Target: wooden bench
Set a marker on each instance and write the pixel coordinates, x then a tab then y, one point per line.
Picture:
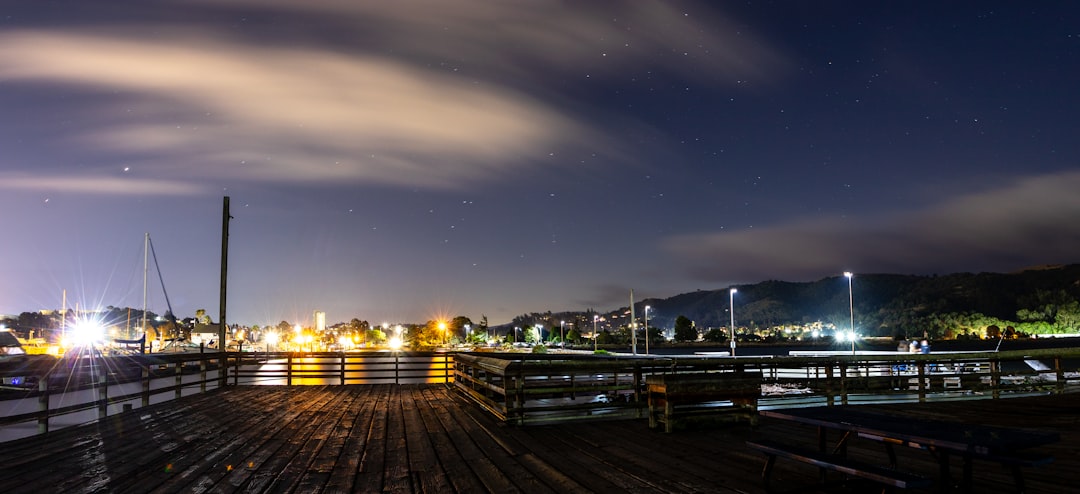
1015	461
672	398
888	477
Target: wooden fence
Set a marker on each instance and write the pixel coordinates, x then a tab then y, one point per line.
539	388
72	385
527	388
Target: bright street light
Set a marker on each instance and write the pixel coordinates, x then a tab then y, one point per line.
271	340
851	307
595	318
731	306
87	332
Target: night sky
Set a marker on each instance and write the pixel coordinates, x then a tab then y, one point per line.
409	160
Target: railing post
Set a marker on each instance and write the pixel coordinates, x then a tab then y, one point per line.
146	383
43	404
829	395
202	372
519	390
843	383
103	394
236	375
995	378
637	389
1060	375
342	368
397	377
446	367
223	366
922	381
288	370
223	369
179	379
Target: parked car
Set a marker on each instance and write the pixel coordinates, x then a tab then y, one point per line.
10	348
12	356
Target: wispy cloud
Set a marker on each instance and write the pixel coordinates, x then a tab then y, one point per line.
396	98
1032	221
98	185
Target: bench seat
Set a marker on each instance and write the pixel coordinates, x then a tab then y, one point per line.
882	475
673	398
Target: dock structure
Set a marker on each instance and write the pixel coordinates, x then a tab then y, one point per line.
430	438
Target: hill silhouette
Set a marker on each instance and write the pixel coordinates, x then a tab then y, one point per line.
1035	300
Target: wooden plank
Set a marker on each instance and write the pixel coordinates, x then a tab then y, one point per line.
343	475
273	464
369	476
66	449
696	460
459	474
225	429
396	466
204	454
331	428
234	434
320	471
527	454
490	471
325	420
123	453
424	468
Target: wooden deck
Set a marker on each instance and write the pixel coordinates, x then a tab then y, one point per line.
427	438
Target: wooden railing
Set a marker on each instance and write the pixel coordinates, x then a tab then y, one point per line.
537	388
112	384
343	368
520	388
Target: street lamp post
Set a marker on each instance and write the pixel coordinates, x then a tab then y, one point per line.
851	307
731	310
594	319
647	329
562	333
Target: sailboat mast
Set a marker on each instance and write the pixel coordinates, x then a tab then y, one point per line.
145	267
63	317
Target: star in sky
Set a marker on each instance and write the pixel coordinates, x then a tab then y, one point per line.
395	160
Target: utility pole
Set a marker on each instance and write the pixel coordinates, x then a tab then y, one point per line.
633	323
223	370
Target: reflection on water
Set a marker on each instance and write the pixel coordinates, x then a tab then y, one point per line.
350	369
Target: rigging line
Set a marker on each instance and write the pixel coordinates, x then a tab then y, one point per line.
134	272
168	304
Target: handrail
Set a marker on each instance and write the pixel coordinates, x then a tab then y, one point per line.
99	375
525	388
